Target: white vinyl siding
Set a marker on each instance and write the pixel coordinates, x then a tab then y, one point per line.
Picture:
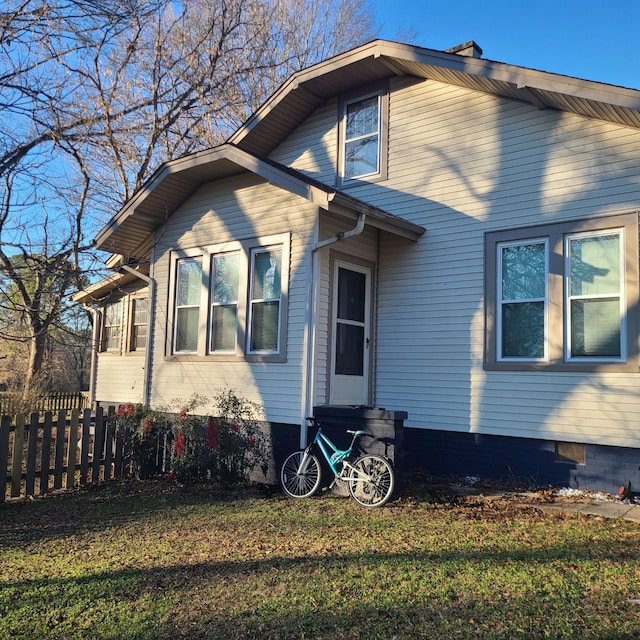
462	163
479	164
222	215
120	373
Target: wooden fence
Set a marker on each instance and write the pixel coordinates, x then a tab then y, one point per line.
50	452
9	402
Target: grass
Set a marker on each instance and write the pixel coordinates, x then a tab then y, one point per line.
152	561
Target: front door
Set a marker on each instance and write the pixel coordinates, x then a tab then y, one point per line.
350	359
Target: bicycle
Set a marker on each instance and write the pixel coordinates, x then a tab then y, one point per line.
369	477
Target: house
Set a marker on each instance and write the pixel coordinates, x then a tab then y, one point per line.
424	239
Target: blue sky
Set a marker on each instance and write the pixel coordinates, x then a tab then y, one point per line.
589	39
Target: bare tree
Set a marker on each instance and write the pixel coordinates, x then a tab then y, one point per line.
96	94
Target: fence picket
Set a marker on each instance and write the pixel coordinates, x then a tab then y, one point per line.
72	449
84	450
98	445
61	427
46	453
32	452
5	428
16	462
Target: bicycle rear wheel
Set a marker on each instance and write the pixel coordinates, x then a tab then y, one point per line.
371	481
300	475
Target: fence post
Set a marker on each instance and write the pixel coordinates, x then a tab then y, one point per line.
72	452
16	465
5	428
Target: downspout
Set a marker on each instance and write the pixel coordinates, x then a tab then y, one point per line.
308	383
95	345
147	353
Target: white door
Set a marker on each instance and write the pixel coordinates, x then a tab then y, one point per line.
350	357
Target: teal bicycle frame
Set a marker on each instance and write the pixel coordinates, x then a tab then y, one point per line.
335	457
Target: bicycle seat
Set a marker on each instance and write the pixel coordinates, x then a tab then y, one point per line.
359	433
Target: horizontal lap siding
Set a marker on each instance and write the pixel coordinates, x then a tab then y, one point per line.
239	208
120	378
462	163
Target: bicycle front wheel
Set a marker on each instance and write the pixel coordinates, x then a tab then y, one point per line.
371	480
300	475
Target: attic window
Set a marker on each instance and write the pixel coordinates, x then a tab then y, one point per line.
363	132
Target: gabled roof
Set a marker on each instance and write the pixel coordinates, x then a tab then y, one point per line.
130	231
379	60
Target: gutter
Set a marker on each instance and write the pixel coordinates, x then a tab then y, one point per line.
309	353
147	354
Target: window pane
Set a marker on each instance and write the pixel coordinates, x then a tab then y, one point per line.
113	314
524	271
189	282
264	326
225	278
140	311
361	157
595	265
349	350
139	336
595	327
362	118
523	330
267	269
351	295
187	329
224	328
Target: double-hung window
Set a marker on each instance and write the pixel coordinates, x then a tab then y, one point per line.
362	138
363	131
522	300
187	311
224	301
139	314
594	290
265	300
561	296
112	327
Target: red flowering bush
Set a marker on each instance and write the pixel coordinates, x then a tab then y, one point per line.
149	433
224	448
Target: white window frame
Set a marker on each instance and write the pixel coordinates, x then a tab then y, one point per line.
253	301
177	307
568	298
213	304
377	133
118	327
133	324
501	301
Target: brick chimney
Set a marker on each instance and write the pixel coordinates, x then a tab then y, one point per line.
470	49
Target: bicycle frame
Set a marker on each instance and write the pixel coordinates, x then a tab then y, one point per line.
331	453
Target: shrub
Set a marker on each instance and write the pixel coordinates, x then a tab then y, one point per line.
226	447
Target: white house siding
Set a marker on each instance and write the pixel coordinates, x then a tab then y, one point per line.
462	163
120	376
235	209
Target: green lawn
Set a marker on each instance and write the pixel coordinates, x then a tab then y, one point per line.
156	561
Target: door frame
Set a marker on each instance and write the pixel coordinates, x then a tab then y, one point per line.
368	269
